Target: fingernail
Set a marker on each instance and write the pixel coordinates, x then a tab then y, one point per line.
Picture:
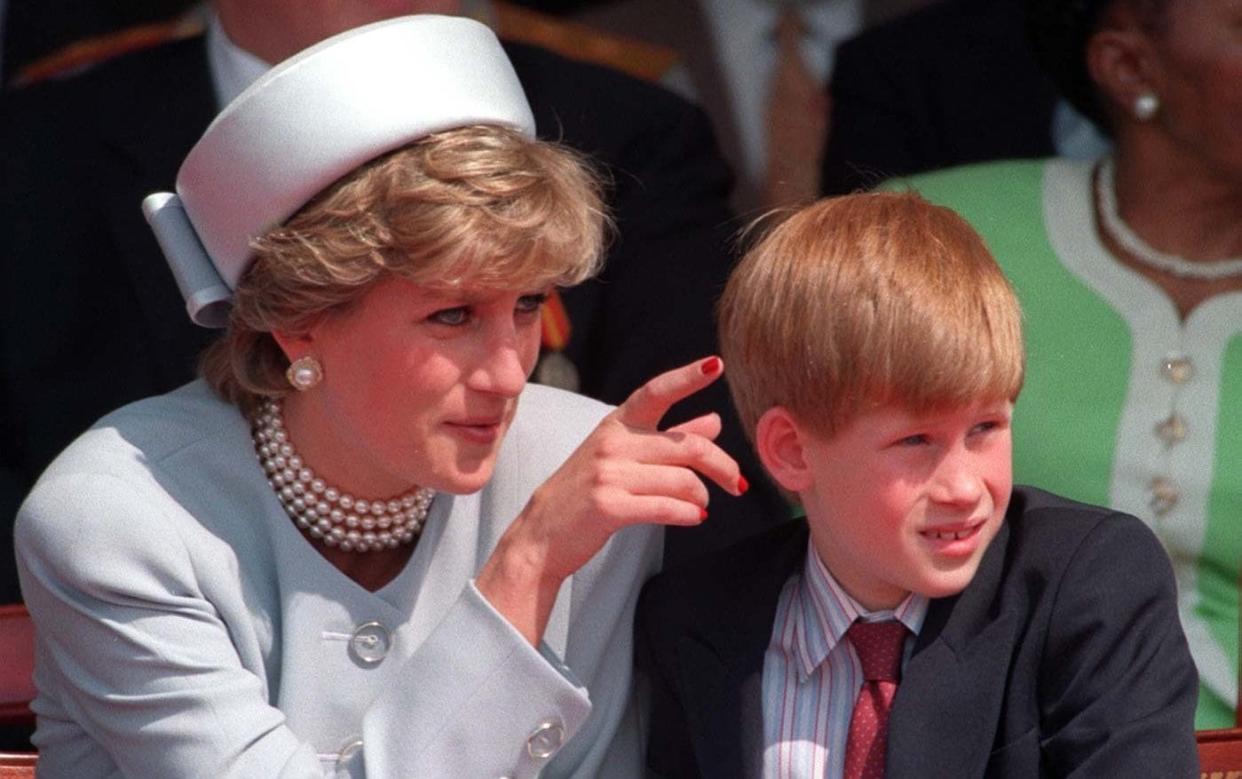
702	514
742	485
710	365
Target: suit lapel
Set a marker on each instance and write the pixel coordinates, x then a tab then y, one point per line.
724	710
721	665
948	705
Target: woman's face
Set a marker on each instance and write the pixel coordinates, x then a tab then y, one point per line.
419	386
1199	80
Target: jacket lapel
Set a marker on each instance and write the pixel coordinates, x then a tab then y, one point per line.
724	708
948	705
721	664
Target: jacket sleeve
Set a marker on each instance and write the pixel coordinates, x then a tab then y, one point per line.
1118	685
135	667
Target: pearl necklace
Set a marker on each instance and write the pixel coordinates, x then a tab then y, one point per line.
1119	231
326	513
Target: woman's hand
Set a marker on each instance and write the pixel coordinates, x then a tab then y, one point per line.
626	472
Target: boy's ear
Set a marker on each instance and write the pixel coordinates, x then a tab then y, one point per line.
780	442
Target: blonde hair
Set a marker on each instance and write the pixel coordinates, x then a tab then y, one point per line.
483	205
864	301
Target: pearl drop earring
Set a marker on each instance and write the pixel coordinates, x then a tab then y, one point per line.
1146	105
304	373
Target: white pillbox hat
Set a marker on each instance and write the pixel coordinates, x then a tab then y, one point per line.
311	120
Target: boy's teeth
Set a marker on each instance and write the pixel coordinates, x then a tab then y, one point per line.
949	536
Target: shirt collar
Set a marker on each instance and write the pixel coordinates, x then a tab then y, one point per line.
823	611
232	68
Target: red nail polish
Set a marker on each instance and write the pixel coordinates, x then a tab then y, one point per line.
710	365
742	485
702	514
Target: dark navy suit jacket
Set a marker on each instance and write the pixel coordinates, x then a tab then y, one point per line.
1063	657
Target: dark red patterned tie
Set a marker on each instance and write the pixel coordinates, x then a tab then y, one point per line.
879	646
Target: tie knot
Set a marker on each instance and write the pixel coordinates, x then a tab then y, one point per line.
879	646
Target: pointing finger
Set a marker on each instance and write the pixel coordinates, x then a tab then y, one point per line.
649	403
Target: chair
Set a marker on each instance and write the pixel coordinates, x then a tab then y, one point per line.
17	688
17	765
1220	753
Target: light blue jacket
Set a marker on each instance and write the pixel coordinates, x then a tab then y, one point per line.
187	628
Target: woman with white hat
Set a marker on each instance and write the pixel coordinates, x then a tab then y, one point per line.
361	543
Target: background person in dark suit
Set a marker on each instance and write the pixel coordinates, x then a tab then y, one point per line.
952	83
90	318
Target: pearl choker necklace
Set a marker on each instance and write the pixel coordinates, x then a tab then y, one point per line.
326	513
1119	231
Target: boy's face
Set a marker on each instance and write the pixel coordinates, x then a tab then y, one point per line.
903	502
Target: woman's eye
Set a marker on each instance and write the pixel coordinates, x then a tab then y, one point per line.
531	303
451	316
914	440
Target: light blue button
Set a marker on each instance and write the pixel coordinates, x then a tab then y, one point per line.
370	643
546	740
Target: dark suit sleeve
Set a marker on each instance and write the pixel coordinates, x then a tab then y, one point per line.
670	258
62	344
1118	686
90	317
873	127
38	307
951	83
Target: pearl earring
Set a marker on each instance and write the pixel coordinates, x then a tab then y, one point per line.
304	373
1145	106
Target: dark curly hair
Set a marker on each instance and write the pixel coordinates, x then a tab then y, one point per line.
1059	32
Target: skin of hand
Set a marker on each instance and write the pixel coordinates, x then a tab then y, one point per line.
626	472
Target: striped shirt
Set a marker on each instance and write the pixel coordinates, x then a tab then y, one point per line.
811	676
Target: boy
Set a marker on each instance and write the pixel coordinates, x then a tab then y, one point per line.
875	351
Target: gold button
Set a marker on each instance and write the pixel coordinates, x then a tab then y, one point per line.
1164	495
1178	370
1171	430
